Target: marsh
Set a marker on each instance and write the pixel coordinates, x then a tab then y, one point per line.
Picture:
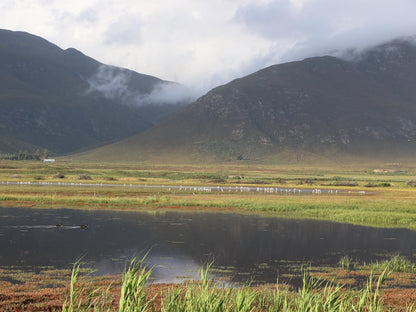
244	247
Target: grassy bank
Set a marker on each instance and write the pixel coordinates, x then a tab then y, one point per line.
373	210
386	200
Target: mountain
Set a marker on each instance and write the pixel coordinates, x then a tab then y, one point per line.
63	100
317	108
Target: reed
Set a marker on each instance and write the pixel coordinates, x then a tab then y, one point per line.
133	296
396	264
207	295
346	263
83	296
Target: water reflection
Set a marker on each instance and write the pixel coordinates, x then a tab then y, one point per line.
181	242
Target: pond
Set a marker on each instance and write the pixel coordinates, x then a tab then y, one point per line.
244	247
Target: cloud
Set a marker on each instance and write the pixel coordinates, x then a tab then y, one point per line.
316	27
126	30
206	43
170	93
115	84
111	82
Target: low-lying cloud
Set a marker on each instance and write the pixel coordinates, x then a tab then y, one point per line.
116	84
110	82
170	93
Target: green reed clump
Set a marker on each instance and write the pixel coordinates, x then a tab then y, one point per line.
346	263
314	295
206	295
395	264
133	295
369	300
84	297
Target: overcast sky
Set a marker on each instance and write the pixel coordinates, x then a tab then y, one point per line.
204	43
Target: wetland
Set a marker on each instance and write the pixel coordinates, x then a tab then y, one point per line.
342	222
243	247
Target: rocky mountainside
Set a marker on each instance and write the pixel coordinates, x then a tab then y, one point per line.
318	107
62	100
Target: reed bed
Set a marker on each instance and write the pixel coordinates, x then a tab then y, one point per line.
207	295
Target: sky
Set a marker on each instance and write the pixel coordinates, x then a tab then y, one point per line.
205	43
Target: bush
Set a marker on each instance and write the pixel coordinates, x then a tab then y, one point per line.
306	181
84	177
218	180
260	182
110	179
411	183
280	181
345	183
383	184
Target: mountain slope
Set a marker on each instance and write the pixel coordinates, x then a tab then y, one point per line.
321	107
63	101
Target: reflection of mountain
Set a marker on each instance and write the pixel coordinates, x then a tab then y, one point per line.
189	238
245	240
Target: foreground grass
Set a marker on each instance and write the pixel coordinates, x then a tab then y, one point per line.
381	286
207	295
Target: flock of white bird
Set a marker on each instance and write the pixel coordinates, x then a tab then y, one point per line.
199	189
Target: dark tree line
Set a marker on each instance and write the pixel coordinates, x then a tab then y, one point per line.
26	155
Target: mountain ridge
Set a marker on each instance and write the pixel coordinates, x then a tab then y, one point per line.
52	98
320	107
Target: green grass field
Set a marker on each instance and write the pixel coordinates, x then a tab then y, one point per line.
380	196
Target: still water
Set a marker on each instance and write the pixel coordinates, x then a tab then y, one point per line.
247	247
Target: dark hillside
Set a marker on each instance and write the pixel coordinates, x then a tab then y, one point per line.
46	99
321	107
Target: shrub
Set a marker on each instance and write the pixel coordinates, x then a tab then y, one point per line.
84	177
218	180
111	179
345	183
280	181
411	183
383	184
260	182
308	181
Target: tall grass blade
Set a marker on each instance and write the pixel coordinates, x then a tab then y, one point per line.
133	296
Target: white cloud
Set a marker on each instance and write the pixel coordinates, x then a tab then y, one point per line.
205	43
324	26
125	30
114	83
